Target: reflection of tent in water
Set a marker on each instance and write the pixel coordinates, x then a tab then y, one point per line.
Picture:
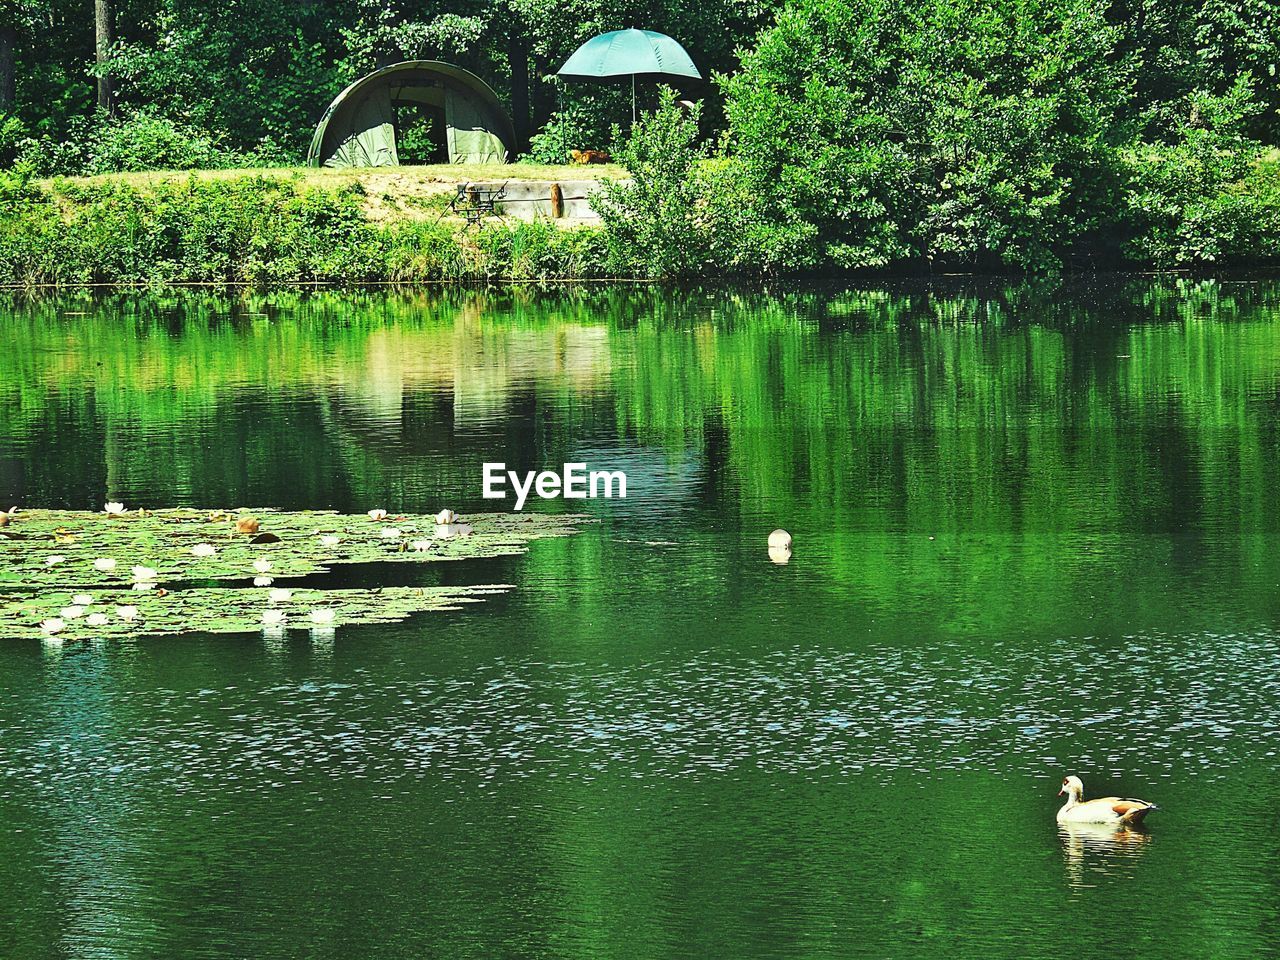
462	117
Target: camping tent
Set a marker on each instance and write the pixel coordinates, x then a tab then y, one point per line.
359	128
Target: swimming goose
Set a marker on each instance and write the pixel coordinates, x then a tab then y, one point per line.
1111	810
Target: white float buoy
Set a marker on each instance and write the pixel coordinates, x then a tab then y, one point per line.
779	538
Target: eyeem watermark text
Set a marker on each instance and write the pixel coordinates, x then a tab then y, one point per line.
575	482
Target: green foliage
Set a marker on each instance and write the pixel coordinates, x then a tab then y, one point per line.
1210	197
132	142
1172	51
145	141
685	211
257	73
1030	135
539	249
577	127
415	137
587	119
652	219
955	131
954	134
256	229
13	138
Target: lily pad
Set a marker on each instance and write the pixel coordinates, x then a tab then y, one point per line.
117	614
83	575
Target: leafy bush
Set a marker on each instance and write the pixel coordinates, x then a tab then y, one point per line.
1210	197
146	141
651	220
256	229
585	121
132	143
959	132
563	133
13	138
575	128
685	211
415	140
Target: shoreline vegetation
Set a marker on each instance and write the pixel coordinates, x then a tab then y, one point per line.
834	137
282	226
271	227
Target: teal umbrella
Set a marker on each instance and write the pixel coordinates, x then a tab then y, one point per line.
633	53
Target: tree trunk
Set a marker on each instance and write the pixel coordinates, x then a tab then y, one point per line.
102	47
518	51
8	73
544	101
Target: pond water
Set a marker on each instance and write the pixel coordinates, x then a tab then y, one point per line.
1035	534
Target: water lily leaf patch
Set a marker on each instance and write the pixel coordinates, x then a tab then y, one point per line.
120	573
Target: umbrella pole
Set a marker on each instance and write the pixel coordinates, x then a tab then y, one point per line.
633	99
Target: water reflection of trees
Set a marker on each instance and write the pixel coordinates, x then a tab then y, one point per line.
1037	431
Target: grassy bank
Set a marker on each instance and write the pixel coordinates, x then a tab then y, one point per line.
279	226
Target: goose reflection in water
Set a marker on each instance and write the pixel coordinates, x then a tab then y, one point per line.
1094	851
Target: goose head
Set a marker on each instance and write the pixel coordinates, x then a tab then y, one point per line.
1072	787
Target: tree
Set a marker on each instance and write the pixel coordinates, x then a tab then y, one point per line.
8	54
102	53
963	132
16	18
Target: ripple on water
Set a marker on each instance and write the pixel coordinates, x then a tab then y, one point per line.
1170	703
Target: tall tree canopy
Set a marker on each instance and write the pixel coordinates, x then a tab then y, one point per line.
255	70
254	75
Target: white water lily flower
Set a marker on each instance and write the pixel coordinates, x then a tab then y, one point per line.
82	600
262	566
56	559
72	612
322	616
273	617
421	545
280	595
446	516
329	540
53	625
105	564
96	619
114	509
377	514
127	612
263	581
143	573
143	585
203	550
390	533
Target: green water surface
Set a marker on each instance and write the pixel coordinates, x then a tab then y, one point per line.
1035	534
